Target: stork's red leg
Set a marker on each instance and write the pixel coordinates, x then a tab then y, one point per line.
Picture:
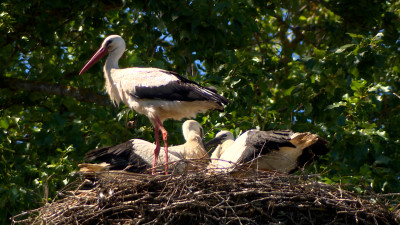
165	137
157	150
165	134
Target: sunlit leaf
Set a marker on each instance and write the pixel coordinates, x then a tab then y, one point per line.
344	48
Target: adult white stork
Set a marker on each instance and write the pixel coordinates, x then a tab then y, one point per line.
283	151
156	93
135	155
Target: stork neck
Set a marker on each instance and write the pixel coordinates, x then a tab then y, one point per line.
194	148
112	60
192	136
112	63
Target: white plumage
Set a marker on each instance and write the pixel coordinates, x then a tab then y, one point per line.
223	139
156	93
281	151
136	155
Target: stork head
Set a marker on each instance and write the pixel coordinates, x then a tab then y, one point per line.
225	135
113	44
220	138
192	129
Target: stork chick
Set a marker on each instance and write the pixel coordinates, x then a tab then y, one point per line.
282	151
135	155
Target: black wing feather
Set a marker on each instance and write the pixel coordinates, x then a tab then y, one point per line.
119	157
180	90
311	154
263	142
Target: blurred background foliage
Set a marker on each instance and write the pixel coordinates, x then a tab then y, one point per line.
328	67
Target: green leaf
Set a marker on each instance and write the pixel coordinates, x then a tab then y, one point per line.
356	85
336	105
308	108
288	91
382	160
343	48
341	120
220	6
355	35
319	53
379	87
303	18
4	122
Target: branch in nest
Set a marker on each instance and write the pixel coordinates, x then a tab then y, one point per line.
222	199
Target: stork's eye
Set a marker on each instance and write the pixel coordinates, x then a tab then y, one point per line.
108	43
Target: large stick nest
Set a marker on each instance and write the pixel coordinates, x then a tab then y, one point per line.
129	198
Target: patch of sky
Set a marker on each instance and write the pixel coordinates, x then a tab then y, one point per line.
285	14
278	48
24	58
200	67
301	111
160	49
167	37
295	56
290	35
65	53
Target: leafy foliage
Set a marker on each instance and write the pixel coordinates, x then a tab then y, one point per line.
328	67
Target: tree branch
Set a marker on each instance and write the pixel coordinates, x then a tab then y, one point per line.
80	94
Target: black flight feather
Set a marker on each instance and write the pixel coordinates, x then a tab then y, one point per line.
311	154
180	90
119	157
263	142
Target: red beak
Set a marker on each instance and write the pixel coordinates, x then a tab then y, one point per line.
97	56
